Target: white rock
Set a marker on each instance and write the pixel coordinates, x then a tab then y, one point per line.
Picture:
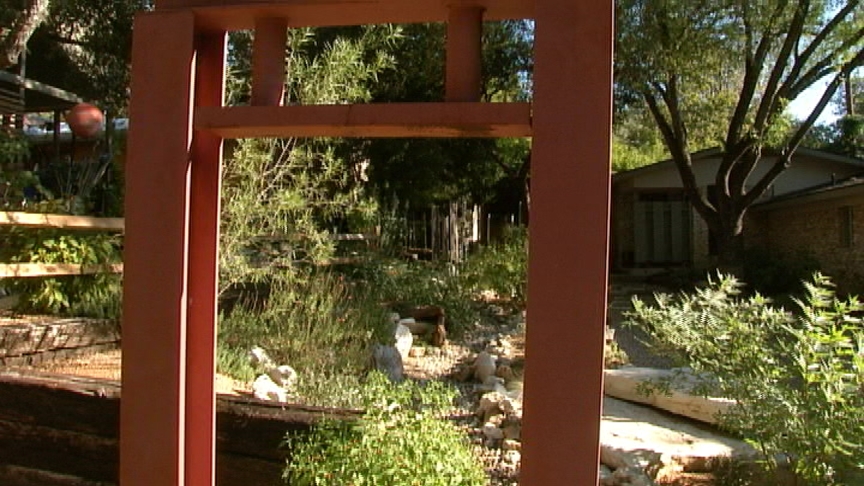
489	404
631	477
492	384
511	457
512	429
606	478
259	357
511	445
388	360
484	366
404	340
394	318
614	458
264	388
492	432
284	376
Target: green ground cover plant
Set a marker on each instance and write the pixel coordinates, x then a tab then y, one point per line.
797	377
502	267
403	438
315	321
97	295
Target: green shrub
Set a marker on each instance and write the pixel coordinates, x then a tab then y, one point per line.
402	439
404	285
502	267
97	295
798	379
315	322
773	274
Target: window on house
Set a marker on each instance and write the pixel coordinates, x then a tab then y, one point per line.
847	230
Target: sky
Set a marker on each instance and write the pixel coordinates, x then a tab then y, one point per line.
804	104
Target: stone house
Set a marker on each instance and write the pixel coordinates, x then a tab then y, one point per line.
824	223
819	197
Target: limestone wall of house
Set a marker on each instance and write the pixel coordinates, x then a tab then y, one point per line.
815	228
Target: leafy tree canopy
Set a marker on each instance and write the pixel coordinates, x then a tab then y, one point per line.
82	46
726	70
424	171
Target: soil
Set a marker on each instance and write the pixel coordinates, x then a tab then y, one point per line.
106	366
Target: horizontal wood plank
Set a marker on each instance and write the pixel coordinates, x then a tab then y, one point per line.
241	14
19	270
450	120
67	427
28	339
23	476
64	221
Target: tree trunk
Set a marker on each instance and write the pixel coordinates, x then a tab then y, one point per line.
730	244
14	40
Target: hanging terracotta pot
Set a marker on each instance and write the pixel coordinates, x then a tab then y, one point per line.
85	120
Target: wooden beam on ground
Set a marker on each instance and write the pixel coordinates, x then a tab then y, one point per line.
63	431
452	120
18	270
64	221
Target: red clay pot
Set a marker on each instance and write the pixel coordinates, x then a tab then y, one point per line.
85	120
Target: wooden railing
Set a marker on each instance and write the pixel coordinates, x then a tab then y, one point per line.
39	220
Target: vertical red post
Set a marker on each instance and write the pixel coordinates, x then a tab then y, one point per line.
152	409
464	53
569	242
268	61
203	269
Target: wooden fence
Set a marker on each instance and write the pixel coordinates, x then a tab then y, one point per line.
62	221
39	220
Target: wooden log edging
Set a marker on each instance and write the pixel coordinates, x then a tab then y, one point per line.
32	343
64	430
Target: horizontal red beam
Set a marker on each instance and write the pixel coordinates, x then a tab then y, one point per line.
396	120
241	14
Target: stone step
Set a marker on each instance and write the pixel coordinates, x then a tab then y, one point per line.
638	436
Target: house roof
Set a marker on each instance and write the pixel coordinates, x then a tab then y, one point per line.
714	152
38	97
834	189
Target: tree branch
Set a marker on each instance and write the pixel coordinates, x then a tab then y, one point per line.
823	34
14	40
829	92
768	104
821	68
752	73
785	156
681	158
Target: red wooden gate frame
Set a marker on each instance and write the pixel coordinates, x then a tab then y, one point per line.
173	188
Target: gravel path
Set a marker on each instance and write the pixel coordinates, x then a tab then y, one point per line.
630	340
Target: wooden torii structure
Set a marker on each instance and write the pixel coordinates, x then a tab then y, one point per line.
173	189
